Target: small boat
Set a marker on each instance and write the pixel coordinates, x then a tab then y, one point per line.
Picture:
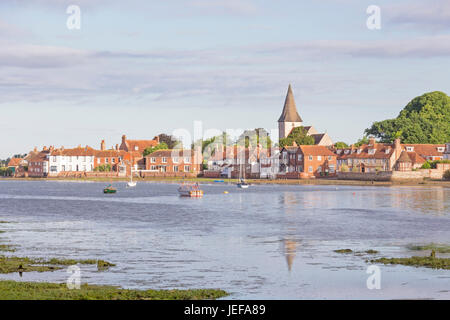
131	183
190	190
109	189
242	184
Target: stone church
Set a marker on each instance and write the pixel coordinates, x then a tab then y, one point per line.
290	119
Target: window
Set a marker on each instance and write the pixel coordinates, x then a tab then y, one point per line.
371	151
113	160
319	169
106	160
63	168
153	160
175	160
319	158
164	160
330	158
310	169
331	167
299	168
187	168
54	159
153	168
300	157
53	169
310	157
136	148
175	168
410	149
187	159
440	149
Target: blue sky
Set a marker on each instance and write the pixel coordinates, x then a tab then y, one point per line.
144	67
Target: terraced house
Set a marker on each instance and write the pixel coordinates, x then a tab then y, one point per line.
307	162
374	156
80	159
173	162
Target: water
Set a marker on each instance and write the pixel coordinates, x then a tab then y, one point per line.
266	242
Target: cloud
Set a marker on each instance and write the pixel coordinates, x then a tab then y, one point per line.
425	15
243	7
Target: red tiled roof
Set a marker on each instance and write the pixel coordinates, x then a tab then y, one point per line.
140	144
426	149
14	162
416	158
380	152
79	151
171	152
316	151
38	157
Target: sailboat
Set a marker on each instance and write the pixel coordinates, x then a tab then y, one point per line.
242	184
131	183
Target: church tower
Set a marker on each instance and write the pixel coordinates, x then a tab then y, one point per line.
289	118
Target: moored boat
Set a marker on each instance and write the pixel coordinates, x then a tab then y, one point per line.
190	190
109	189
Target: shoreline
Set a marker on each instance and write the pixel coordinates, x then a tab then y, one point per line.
318	181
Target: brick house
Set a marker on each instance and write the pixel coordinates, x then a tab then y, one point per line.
119	160
376	156
173	162
307	162
15	164
137	145
38	163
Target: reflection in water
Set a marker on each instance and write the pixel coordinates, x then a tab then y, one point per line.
423	200
290	249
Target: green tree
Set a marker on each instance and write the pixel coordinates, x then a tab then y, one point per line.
169	140
160	146
340	145
426	119
363	140
299	136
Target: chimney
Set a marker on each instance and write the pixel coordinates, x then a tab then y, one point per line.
372	141
102	145
44	148
62	147
294	144
156	139
397	147
117	146
35	149
124	137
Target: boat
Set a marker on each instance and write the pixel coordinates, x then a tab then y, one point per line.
131	183
242	184
109	189
191	190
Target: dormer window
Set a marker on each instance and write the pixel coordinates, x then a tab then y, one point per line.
339	151
440	149
136	148
371	151
409	149
346	151
359	151
387	151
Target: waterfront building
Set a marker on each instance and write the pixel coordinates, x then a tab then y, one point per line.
269	162
137	145
374	156
80	159
307	162
290	119
173	162
15	163
117	160
447	151
38	163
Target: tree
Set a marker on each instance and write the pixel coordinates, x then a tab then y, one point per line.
169	140
363	140
425	119
446	175
299	136
253	138
340	145
160	146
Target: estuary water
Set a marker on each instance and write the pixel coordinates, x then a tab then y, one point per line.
265	242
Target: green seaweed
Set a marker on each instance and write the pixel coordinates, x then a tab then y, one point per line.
343	251
7	247
440	248
428	262
11	290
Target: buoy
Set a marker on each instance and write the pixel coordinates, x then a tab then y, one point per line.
225	192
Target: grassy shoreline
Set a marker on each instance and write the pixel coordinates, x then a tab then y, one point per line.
320	181
13	290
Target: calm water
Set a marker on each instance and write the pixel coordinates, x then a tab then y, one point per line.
266	242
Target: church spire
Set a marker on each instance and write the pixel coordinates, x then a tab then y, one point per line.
290	113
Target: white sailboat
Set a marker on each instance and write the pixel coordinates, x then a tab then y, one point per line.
131	183
242	184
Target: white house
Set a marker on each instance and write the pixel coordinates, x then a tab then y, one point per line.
71	160
447	151
269	165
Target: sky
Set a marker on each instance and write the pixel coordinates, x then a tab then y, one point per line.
141	68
